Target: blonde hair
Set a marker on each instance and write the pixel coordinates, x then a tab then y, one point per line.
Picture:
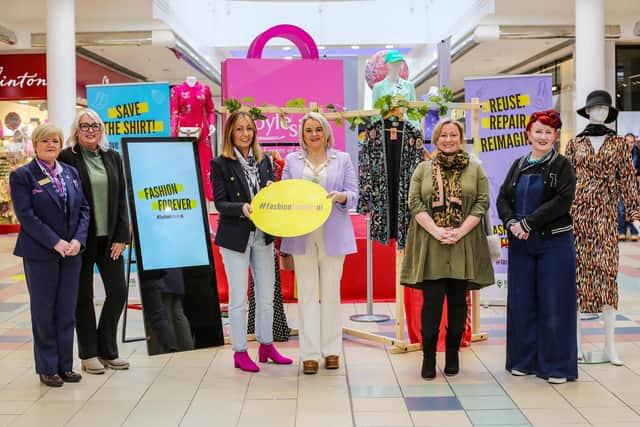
326	128
227	141
45	131
435	135
72	141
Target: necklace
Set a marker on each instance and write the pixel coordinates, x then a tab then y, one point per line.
541	159
316	170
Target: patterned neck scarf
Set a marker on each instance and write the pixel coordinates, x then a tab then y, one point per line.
54	174
250	169
594	129
447	188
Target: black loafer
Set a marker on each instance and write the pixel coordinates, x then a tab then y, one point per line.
70	377
51	380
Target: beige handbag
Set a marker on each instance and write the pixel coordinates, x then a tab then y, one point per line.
190	131
493	240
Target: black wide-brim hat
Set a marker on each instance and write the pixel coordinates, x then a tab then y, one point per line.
599	97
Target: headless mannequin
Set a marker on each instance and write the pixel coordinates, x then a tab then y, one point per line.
597	115
191	82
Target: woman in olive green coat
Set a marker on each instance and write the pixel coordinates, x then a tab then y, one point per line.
447	251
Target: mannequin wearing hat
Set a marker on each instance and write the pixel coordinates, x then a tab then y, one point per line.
604	172
390	152
393	84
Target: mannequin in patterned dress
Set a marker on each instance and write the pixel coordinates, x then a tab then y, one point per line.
192	106
604	171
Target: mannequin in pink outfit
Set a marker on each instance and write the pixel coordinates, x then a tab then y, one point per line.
192	107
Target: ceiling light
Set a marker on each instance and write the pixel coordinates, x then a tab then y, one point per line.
286	48
355	46
321	47
388	46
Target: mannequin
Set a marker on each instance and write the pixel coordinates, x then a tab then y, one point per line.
393	84
596	153
389	143
192	114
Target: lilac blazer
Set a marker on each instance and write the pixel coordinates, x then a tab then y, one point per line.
339	237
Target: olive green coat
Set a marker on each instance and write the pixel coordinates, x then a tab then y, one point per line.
425	257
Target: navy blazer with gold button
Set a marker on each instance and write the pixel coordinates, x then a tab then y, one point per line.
230	193
43	221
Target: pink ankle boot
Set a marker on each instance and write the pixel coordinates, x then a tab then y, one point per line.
269	351
242	360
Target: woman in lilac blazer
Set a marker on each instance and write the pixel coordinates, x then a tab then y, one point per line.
319	255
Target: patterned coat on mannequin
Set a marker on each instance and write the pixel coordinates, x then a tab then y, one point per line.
193	107
601	178
374	197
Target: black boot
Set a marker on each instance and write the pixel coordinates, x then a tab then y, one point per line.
452	362
429	366
429	358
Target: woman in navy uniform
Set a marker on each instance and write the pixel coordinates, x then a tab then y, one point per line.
54	218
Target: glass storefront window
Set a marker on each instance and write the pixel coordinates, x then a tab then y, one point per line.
17	121
628	77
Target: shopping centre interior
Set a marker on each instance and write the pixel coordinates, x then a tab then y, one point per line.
468	46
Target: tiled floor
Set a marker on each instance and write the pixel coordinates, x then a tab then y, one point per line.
372	387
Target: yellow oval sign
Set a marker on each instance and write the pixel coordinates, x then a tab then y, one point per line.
290	208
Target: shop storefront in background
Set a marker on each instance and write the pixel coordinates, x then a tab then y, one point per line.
23	94
628	89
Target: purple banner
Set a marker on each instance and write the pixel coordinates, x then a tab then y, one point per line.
507	103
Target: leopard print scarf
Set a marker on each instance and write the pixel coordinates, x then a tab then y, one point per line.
447	188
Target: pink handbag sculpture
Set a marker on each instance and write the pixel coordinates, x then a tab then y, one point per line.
276	81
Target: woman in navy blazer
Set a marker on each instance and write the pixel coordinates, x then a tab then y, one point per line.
319	255
237	175
49	202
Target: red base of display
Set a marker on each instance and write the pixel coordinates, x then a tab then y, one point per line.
353	287
9	228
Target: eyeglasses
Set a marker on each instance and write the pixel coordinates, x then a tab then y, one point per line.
85	127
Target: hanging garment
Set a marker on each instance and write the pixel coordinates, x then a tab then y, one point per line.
378	168
601	178
192	107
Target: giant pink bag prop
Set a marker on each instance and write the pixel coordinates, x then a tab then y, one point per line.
276	81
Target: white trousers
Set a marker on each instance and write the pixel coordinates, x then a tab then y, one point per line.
258	256
318	279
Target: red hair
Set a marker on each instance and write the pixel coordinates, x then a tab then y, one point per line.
548	117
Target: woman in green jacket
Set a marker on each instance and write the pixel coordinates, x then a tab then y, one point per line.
447	251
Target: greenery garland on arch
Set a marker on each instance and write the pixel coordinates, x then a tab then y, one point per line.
388	106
